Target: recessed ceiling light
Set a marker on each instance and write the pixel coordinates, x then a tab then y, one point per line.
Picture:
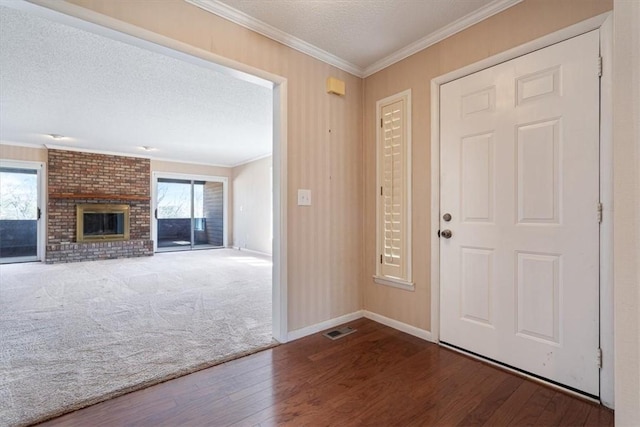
56	136
147	148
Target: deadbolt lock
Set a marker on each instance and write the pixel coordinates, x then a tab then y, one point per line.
447	217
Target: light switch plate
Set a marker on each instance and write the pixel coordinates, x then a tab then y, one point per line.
304	197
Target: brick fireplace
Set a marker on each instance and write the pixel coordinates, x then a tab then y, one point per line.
77	178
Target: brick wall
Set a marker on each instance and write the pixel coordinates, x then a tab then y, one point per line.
75	178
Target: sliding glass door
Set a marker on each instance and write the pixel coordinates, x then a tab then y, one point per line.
189	214
173	214
19	213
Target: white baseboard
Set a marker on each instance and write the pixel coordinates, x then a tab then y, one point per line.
309	330
327	324
403	327
250	250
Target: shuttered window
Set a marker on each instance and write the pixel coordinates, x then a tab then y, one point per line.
394	191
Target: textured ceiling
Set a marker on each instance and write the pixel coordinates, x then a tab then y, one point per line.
107	95
361	32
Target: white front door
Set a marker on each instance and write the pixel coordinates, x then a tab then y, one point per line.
520	180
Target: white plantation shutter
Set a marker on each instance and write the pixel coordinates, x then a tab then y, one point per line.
393	180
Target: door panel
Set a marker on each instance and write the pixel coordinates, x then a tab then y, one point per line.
520	178
538	164
538	295
477	178
477	280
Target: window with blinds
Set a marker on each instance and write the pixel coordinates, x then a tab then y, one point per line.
394	191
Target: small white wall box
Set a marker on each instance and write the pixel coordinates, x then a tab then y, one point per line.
335	86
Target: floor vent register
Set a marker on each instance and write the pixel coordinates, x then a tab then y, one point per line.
334	334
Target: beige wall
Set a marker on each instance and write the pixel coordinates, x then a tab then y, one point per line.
324	151
252	197
626	176
24	153
524	22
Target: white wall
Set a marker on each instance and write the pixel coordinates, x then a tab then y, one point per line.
252	210
626	176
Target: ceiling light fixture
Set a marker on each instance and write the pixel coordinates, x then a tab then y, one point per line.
56	136
147	148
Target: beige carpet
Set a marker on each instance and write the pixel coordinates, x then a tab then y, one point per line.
75	334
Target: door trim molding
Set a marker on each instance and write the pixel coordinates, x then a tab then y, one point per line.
41	169
602	22
280	204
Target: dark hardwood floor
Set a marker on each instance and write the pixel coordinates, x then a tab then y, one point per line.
376	376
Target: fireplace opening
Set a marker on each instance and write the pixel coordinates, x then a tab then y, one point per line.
100	222
103	224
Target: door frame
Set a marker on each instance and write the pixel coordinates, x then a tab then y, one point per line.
188	177
604	23
88	20
41	227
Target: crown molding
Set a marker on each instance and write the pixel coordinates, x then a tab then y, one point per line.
124	154
95	151
227	12
134	155
466	21
251	160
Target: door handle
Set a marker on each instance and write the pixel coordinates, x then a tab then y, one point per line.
446	234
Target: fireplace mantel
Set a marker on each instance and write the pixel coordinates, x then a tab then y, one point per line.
98	196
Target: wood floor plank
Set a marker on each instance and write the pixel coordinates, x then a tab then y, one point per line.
530	412
435	387
471	391
512	406
599	416
384	395
376	376
307	407
576	414
487	407
433	399
555	409
311	410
